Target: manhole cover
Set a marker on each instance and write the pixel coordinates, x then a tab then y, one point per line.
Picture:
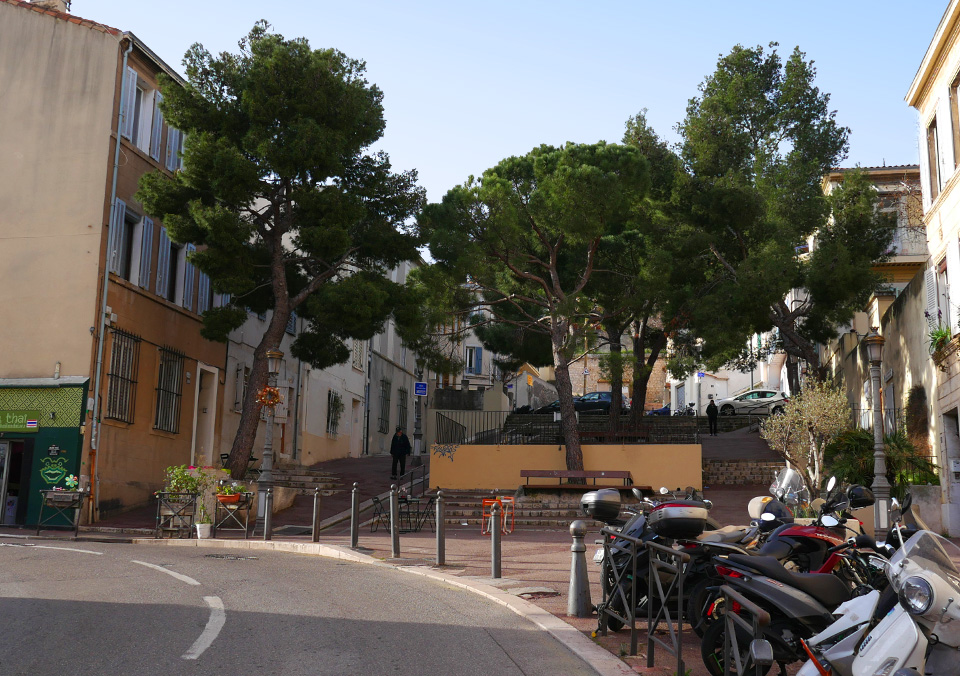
231	557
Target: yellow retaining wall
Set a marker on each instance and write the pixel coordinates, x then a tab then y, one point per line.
498	467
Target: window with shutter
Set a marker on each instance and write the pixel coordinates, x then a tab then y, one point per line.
115	236
173	149
163	264
128	99
189	271
933	158
292	323
146	252
156	127
203	293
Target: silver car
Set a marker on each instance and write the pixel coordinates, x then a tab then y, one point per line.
754	402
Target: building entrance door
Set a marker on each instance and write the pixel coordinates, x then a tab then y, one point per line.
14	481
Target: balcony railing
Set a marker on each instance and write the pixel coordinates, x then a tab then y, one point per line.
909	242
504	428
893	419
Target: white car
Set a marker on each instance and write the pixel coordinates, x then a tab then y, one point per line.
754	402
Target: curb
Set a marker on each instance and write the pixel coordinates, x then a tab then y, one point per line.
599	659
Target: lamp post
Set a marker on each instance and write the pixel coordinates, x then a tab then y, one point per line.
274	357
881	487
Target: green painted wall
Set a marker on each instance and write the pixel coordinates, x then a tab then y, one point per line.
49	468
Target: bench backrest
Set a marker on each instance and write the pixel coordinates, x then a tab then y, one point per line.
575	474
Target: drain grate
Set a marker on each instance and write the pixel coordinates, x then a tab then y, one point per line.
231	557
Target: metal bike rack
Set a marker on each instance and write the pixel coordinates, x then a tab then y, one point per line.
674	564
621	579
760	652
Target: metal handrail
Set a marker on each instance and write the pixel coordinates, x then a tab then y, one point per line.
659	561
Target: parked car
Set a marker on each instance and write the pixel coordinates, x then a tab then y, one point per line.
592	402
663	410
754	402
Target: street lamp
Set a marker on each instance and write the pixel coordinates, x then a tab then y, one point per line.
881	487
274	358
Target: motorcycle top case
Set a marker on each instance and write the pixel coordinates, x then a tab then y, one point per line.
602	505
678	519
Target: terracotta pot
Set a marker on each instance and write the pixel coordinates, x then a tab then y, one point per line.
229	499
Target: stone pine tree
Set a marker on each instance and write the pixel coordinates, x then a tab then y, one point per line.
525	238
756	143
288	209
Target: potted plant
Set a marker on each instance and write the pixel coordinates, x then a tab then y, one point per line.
228	492
939	337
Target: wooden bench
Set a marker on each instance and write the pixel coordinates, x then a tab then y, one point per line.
561	474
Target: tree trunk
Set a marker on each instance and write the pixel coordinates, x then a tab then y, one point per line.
250	412
616	376
643	364
568	414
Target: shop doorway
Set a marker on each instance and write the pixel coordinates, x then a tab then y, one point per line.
16	461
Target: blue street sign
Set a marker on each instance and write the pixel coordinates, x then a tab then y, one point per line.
419	389
700	374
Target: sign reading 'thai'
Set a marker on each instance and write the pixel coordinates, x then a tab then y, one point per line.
19	421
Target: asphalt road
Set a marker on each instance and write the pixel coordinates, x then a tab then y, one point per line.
88	608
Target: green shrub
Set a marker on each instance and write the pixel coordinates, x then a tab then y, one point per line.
849	457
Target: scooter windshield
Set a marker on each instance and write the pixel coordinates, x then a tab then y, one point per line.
786	481
925	550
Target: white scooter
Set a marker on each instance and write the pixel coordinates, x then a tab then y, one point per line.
920	635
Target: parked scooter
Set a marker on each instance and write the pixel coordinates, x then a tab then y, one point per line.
875	634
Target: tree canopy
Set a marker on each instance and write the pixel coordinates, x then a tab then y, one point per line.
524	239
757	143
288	208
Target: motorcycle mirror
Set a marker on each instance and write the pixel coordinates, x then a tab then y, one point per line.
895	512
767	516
663	490
907	502
637	493
831	484
708	504
829	521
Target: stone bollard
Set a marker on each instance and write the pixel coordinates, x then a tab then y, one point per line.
394	523
578	599
441	536
315	532
355	516
495	532
268	516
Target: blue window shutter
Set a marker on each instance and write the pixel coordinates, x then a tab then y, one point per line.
163	264
146	252
156	127
128	98
203	293
115	235
478	360
188	273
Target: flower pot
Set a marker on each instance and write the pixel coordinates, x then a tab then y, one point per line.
229	499
204	530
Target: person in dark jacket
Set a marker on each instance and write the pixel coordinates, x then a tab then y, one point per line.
712	413
399	449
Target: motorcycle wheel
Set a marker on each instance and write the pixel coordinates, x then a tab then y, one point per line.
697	602
711	650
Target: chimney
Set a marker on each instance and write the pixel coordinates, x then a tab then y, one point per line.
55	5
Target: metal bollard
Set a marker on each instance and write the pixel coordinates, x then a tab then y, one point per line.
355	516
315	533
578	599
268	516
394	523
495	531
441	536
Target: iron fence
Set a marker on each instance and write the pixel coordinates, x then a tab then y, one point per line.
505	428
893	419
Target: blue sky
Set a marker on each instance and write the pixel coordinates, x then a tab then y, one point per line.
467	84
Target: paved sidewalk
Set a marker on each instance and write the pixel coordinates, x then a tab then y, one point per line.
535	563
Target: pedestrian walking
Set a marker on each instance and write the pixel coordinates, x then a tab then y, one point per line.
712	413
399	449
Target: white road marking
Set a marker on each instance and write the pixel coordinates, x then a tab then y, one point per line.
65	549
182	578
218	618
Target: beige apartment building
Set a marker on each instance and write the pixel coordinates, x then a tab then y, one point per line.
103	343
934	93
